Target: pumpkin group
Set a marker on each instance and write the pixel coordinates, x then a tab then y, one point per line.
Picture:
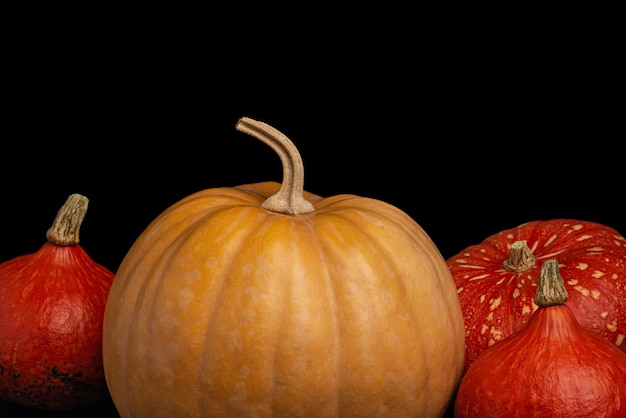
266	300
497	279
551	367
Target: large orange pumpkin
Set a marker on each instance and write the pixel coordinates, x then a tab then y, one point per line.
264	300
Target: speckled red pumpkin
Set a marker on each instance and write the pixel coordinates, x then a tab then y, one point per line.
497	279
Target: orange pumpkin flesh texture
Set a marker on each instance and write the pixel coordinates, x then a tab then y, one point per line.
224	308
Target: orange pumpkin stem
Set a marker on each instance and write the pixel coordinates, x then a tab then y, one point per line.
289	198
66	226
520	258
551	290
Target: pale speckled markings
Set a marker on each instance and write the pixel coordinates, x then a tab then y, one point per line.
583	238
496	336
595	294
619	340
581	266
495	303
526	309
479	277
504	276
533	248
612	326
552	255
597	274
470	266
550	240
582	290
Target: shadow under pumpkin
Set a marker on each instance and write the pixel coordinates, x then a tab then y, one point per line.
59	388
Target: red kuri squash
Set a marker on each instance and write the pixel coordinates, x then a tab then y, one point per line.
264	300
551	367
51	312
496	279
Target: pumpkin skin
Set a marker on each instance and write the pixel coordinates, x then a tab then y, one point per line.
51	311
223	308
551	367
497	302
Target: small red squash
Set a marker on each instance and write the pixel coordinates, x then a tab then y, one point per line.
263	300
51	312
552	367
496	279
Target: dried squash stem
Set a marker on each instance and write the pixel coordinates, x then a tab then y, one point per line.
520	258
65	229
289	198
551	289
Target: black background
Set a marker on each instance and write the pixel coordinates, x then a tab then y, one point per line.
470	129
